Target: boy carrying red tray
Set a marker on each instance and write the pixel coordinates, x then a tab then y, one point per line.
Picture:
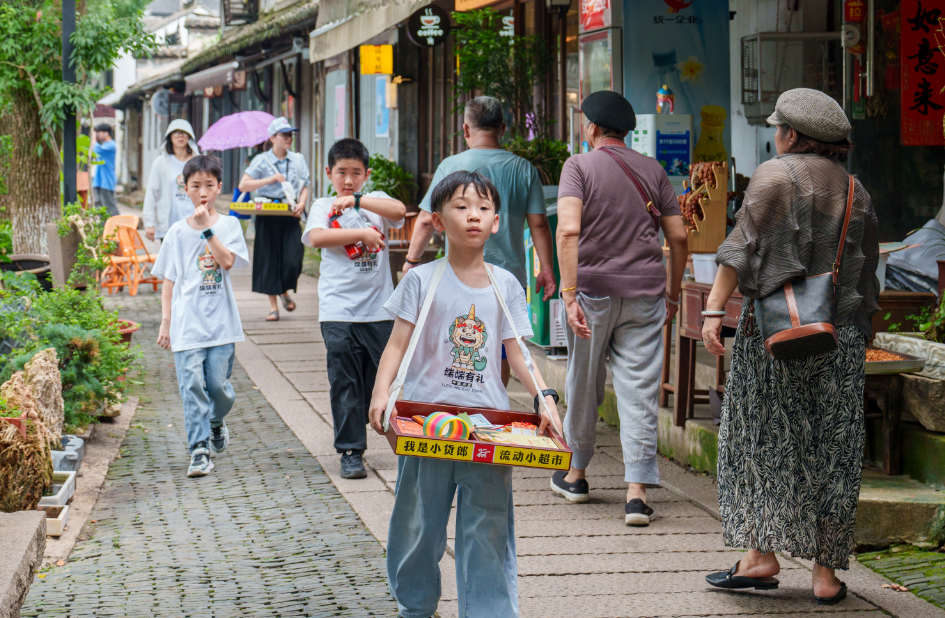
457	360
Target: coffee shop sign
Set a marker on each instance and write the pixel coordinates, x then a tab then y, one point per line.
428	26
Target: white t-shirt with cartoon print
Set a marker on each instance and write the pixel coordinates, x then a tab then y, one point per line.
203	308
458	359
181	204
352	290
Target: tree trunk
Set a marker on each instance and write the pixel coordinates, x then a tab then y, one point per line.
33	181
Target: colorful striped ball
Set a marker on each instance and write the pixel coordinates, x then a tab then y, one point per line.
443	425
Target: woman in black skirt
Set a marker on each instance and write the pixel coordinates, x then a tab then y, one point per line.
278	250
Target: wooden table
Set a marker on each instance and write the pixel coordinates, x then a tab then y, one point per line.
887	388
688	333
888	391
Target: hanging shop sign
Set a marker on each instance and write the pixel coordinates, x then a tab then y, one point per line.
429	26
922	41
377	59
854	11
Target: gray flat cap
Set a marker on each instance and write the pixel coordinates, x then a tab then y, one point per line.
812	113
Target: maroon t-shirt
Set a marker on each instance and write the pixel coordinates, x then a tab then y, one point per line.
619	252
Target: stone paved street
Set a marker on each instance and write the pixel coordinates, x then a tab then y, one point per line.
275	530
266	534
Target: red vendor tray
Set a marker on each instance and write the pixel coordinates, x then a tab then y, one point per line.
475	450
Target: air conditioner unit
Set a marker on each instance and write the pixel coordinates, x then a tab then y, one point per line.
773	62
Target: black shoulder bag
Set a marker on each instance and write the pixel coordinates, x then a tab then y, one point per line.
799	320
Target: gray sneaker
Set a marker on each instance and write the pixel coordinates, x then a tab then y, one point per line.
351	465
219	438
200	464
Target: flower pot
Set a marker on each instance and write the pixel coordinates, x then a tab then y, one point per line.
35	263
941	276
18	423
56	519
66	482
127	328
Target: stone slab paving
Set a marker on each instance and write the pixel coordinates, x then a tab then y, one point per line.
576	560
265	534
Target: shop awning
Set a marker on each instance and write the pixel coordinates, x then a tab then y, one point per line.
344	34
220	75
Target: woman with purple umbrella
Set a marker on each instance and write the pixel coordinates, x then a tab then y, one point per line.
282	175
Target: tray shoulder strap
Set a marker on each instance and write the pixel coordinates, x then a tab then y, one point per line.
398	383
846	226
522	347
650	206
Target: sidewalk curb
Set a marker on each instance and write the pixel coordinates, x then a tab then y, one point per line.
99	455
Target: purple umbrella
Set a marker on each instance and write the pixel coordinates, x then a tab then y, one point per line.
242	129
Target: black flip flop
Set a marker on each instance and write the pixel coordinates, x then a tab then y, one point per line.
835	598
730	581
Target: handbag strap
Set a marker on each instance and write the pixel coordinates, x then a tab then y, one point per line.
398	384
650	206
846	226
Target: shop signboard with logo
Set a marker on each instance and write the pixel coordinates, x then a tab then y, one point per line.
922	42
682	46
429	26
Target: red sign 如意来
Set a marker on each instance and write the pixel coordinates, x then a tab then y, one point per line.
923	72
594	14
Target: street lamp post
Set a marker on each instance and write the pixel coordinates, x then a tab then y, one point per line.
68	127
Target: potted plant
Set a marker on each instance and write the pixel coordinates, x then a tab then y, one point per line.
127	328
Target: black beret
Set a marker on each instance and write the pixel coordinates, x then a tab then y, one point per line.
609	110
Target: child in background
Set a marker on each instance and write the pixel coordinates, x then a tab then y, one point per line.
199	318
352	293
465	328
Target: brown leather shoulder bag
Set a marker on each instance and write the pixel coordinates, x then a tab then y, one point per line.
799	320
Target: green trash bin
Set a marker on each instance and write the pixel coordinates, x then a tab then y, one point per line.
544	314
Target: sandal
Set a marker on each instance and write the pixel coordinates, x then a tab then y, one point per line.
835	598
270	318
287	302
730	581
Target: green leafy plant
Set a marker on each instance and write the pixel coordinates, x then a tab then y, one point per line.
392	179
6	148
510	68
893	327
93	251
87	340
547	155
6	240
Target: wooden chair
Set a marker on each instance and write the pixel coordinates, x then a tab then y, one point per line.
140	259
113	222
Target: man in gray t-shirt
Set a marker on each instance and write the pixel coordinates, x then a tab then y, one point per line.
519	189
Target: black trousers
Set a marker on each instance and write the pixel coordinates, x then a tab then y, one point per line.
354	351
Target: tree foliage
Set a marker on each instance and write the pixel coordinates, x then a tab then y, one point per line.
31	58
508	68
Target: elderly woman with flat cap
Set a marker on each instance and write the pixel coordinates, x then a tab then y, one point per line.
791	440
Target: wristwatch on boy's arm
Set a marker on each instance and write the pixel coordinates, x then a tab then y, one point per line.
357	200
548	392
207	234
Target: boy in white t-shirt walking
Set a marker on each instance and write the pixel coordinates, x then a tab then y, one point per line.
199	318
352	293
458	360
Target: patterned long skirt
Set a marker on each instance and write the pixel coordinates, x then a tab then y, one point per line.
791	447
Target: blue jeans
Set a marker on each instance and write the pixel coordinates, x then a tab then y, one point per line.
203	378
486	569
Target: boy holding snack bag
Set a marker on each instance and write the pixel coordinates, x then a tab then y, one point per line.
200	321
458	358
353	284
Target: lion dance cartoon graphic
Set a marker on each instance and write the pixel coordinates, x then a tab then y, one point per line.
208	267
468	335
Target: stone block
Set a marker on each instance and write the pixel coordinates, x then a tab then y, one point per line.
924	399
22	542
